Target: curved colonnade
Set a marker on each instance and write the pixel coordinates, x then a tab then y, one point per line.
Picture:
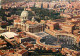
41	44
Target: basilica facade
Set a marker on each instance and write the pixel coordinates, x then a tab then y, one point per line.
27	25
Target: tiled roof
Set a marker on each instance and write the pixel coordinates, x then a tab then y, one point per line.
22	51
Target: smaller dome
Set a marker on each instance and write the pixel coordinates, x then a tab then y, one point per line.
24	14
33	19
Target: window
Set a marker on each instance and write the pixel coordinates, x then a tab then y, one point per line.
77	27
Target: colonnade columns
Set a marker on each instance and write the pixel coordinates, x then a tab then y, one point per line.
43	48
21	26
39	47
69	41
32	30
77	44
18	26
42	29
74	42
77	12
58	39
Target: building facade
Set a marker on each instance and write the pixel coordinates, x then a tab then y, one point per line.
25	24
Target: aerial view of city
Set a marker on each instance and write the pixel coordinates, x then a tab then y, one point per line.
39	27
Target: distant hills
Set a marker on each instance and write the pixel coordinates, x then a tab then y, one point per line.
5	1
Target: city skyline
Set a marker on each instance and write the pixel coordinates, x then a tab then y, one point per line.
40	28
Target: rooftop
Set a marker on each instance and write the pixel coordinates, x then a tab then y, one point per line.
9	34
22	51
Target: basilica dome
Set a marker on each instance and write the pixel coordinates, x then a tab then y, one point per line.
24	14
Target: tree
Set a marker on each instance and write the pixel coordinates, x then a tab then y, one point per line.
46	14
2	37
